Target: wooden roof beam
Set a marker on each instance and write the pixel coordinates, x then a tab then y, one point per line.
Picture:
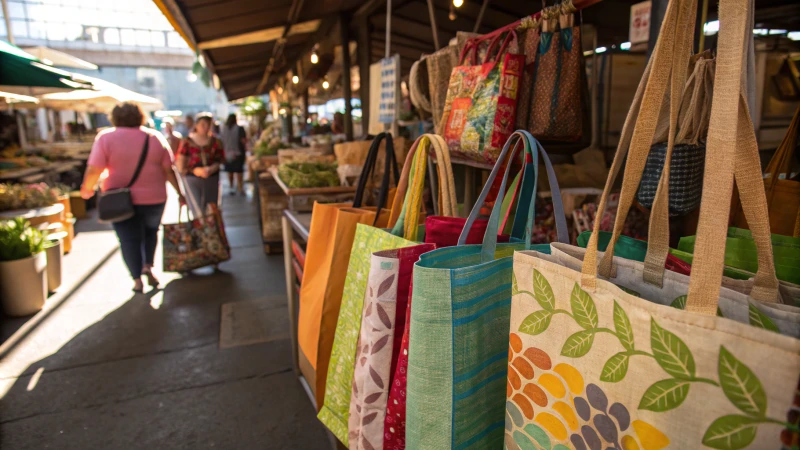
266	35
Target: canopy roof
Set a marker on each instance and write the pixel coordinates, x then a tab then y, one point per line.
250	44
20	70
60	59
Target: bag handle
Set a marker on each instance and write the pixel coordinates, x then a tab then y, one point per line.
510	37
416	166
142	158
664	68
731	153
781	161
390	168
654	81
490	236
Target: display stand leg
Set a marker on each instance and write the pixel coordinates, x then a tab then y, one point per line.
290	292
469	180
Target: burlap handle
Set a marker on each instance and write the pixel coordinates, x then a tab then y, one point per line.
781	161
668	65
695	104
669	57
410	200
731	152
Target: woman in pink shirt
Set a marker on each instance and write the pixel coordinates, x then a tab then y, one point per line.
118	150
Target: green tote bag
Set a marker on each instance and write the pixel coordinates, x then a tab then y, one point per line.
459	324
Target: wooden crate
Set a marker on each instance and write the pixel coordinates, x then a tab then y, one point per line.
273	201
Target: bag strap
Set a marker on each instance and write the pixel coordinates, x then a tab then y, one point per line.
781	161
731	153
415	170
390	167
140	164
530	146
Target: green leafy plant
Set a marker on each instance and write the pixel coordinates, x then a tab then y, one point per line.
19	240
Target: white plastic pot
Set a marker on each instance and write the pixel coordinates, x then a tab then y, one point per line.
23	285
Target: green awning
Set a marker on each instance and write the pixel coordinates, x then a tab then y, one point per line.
18	68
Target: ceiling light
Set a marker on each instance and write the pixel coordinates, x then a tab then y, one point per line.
314	56
295	79
711	28
452	15
794	35
625	46
760	31
777	31
282	111
458	3
600	50
325	84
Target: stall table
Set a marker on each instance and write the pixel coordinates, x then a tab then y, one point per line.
302	199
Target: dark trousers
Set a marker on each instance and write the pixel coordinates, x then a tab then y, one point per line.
138	237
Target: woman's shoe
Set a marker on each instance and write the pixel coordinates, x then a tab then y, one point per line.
152	281
138	287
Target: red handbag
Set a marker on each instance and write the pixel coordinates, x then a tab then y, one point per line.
481	105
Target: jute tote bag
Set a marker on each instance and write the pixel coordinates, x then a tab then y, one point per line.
591	365
331	234
368	240
460	310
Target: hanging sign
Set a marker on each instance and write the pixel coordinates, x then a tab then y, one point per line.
390	71
640	23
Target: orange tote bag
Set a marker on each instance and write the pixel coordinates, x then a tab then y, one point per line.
330	238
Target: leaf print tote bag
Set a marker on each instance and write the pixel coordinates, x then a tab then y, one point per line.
368	240
591	365
382	325
461	301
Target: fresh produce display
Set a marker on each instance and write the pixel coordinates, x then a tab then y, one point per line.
26	196
308	175
19	240
268	148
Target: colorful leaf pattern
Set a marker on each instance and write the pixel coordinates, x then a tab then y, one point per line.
594	427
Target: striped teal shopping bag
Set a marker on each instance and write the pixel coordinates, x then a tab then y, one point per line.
457	358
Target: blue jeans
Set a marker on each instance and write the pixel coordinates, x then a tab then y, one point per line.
138	237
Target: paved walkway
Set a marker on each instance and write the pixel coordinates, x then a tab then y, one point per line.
113	370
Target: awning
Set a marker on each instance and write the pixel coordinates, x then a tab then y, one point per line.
102	98
57	58
21	72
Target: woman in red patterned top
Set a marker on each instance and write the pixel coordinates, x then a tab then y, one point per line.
199	158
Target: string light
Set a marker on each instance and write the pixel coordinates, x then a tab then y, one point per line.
314	56
325	84
458	3
295	79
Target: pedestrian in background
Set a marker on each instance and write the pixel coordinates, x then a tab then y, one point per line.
199	159
118	150
187	126
234	141
173	137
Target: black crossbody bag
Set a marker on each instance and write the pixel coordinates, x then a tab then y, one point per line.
116	205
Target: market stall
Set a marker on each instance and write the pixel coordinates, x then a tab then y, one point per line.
491	282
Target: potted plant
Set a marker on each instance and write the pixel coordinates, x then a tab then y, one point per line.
23	268
54	248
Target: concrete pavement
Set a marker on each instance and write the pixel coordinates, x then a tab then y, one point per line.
113	370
